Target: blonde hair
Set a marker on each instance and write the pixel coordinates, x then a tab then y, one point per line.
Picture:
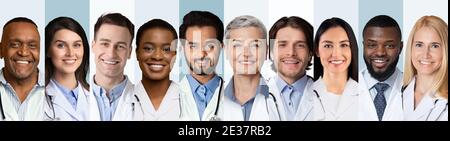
440	83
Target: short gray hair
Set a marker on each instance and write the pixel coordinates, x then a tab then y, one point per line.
243	22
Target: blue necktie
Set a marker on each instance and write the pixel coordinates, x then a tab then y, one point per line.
380	100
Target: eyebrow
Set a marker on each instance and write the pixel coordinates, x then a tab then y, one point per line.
344	41
326	41
65	41
106	40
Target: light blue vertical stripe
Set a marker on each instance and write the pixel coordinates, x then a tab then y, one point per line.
369	9
214	6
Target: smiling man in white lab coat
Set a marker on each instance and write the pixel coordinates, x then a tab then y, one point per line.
380	84
201	34
113	35
291	47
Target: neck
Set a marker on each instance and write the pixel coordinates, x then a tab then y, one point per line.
203	79
423	83
335	82
291	80
245	87
108	82
22	87
68	80
156	90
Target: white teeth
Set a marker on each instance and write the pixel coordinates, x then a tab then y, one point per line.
337	62
70	61
378	61
425	62
23	62
156	66
291	62
111	62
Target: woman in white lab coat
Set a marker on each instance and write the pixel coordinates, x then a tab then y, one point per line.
425	82
336	71
247	97
66	67
157	95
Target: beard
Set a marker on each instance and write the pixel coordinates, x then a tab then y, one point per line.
381	76
203	70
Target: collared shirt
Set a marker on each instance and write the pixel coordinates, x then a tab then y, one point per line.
247	106
107	104
370	81
203	93
291	94
71	95
20	107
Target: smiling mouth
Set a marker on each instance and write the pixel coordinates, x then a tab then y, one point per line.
425	62
69	61
290	61
337	62
22	62
247	62
110	62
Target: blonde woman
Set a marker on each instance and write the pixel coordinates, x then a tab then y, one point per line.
425	90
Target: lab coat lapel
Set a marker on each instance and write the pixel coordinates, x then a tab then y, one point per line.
306	103
124	109
259	111
276	92
59	101
394	109
366	107
189	107
170	100
348	99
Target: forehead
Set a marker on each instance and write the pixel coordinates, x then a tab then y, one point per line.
334	34
66	35
290	33
208	32
382	32
246	33
114	32
157	34
21	30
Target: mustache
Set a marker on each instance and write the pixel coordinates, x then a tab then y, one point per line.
202	59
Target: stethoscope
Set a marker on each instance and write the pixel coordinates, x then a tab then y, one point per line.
431	110
49	100
320	100
276	105
215	117
1	109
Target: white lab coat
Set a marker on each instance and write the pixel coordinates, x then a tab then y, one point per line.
189	111
264	108
347	106
431	108
393	111
35	109
169	109
61	109
127	104
306	102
